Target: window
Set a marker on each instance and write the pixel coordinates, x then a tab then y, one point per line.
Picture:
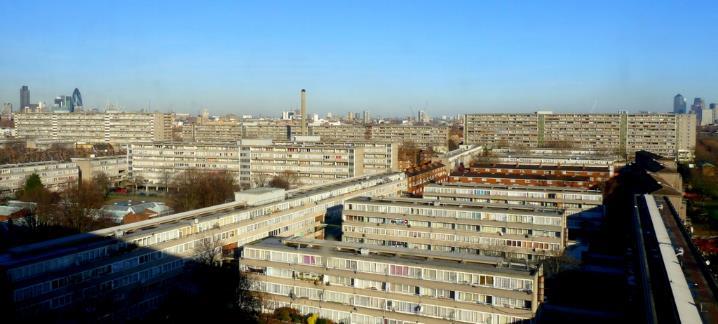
309	259
397	270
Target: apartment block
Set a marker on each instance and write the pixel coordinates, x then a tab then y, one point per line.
212	132
599	132
128	268
156	164
522	233
581	206
556	157
342	132
117	128
163	125
274	131
114	167
436	137
357	283
420	176
311	163
54	175
686	130
667	134
379	157
255	161
523	179
595	175
501	130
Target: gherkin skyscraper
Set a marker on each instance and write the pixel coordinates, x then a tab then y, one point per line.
76	100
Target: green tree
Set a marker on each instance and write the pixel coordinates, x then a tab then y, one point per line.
33	182
45	212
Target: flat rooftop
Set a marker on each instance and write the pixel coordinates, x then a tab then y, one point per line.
541	167
424	168
259	191
461	205
20	165
470	185
66	244
559	156
94	158
556	177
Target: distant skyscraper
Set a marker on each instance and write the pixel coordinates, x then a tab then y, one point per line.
68	104
24	97
350	116
679	104
697	108
76	100
714	105
366	119
698	104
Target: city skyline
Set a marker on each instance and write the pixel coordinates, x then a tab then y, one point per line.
470	57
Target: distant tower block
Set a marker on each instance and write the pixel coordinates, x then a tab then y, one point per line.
304	112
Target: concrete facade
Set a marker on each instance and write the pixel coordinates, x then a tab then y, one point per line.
521	233
661	133
53	174
117	128
355	283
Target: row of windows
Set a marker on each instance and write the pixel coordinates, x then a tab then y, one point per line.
383	268
475	215
514	193
423	309
412	290
458	237
83	257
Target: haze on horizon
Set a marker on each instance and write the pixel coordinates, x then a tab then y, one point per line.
391	58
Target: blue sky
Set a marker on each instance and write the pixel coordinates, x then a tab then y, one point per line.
388	57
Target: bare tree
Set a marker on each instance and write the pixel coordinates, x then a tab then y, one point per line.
286	180
166	180
292	177
138	181
408	151
279	182
194	189
207	251
558	263
102	182
81	207
260	179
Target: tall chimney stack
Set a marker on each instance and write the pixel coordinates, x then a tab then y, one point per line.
304	112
